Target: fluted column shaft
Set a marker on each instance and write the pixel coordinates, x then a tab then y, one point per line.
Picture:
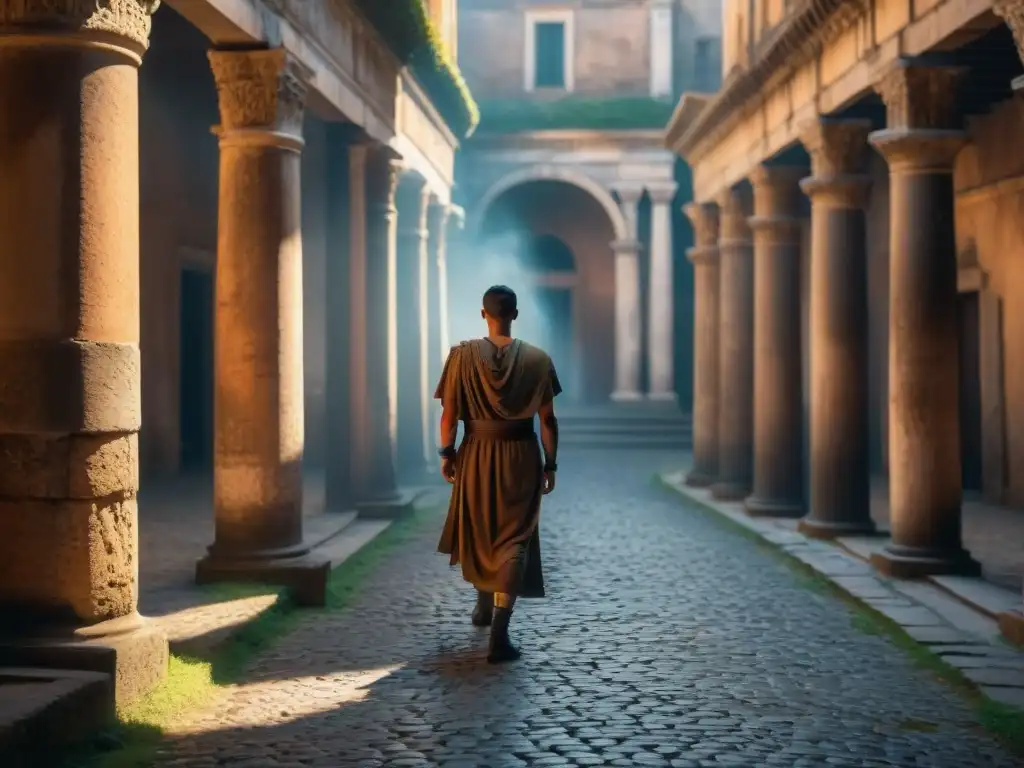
434	350
925	494
661	312
627	302
70	386
736	348
704	255
778	372
382	172
413	326
258	438
840	482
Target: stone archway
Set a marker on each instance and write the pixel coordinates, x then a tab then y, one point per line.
549	234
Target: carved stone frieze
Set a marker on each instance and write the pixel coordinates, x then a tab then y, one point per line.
1012	12
260	89
919	96
704	218
124	18
836	147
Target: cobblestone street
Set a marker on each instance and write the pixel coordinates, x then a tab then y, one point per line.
667	640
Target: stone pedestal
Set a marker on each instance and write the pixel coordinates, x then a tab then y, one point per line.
258	425
412	296
704	255
379	494
735	348
840	482
778	370
338	391
920	145
70	390
660	304
627	302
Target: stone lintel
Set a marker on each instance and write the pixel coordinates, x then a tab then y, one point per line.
837	147
705	221
98	20
920	94
262	93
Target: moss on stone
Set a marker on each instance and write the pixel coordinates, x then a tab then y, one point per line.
574	112
407	30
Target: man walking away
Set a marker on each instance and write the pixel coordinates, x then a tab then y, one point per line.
496	385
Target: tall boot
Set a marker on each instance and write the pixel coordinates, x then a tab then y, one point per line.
484	610
500	648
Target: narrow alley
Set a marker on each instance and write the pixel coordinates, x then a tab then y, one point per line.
667	639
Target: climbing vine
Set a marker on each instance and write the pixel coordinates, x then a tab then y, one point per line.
406	28
622	113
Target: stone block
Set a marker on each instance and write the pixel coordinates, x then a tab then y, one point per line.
937	635
996	677
305	577
131	651
44	711
402	505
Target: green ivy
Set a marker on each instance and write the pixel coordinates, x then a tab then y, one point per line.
406	28
622	113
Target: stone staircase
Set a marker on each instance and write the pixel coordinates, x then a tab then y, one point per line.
625	426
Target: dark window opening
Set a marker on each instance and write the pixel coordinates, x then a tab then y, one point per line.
549	54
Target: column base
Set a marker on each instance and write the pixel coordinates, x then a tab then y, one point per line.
662	397
131	650
698	478
621	396
1011	624
304	575
760	507
909	563
392	507
727	490
834	529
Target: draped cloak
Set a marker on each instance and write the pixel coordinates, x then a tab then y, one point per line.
494	512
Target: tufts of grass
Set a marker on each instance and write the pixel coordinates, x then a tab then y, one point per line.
192	682
1004	722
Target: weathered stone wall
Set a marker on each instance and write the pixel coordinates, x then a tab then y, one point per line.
612	47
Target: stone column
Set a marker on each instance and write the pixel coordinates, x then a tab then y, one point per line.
379	494
704	255
627	301
456	234
1011	623
413	327
338	390
778	364
661	366
661	58
70	391
920	144
736	348
258	425
434	350
840	482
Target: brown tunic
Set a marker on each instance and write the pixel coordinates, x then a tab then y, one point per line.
492	526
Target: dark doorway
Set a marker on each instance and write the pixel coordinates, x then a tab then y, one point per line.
196	370
970	392
555	304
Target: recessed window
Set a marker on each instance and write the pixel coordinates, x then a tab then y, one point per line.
549	50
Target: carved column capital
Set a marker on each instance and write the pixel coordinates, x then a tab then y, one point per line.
776	189
261	90
735	207
662	192
836	147
1012	12
384	168
438	216
129	19
704	218
920	96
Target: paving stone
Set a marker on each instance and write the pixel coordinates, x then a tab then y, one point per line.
907	615
990	676
666	640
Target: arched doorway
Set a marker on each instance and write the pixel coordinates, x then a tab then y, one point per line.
550	240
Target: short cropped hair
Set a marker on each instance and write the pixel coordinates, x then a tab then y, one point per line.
500	302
